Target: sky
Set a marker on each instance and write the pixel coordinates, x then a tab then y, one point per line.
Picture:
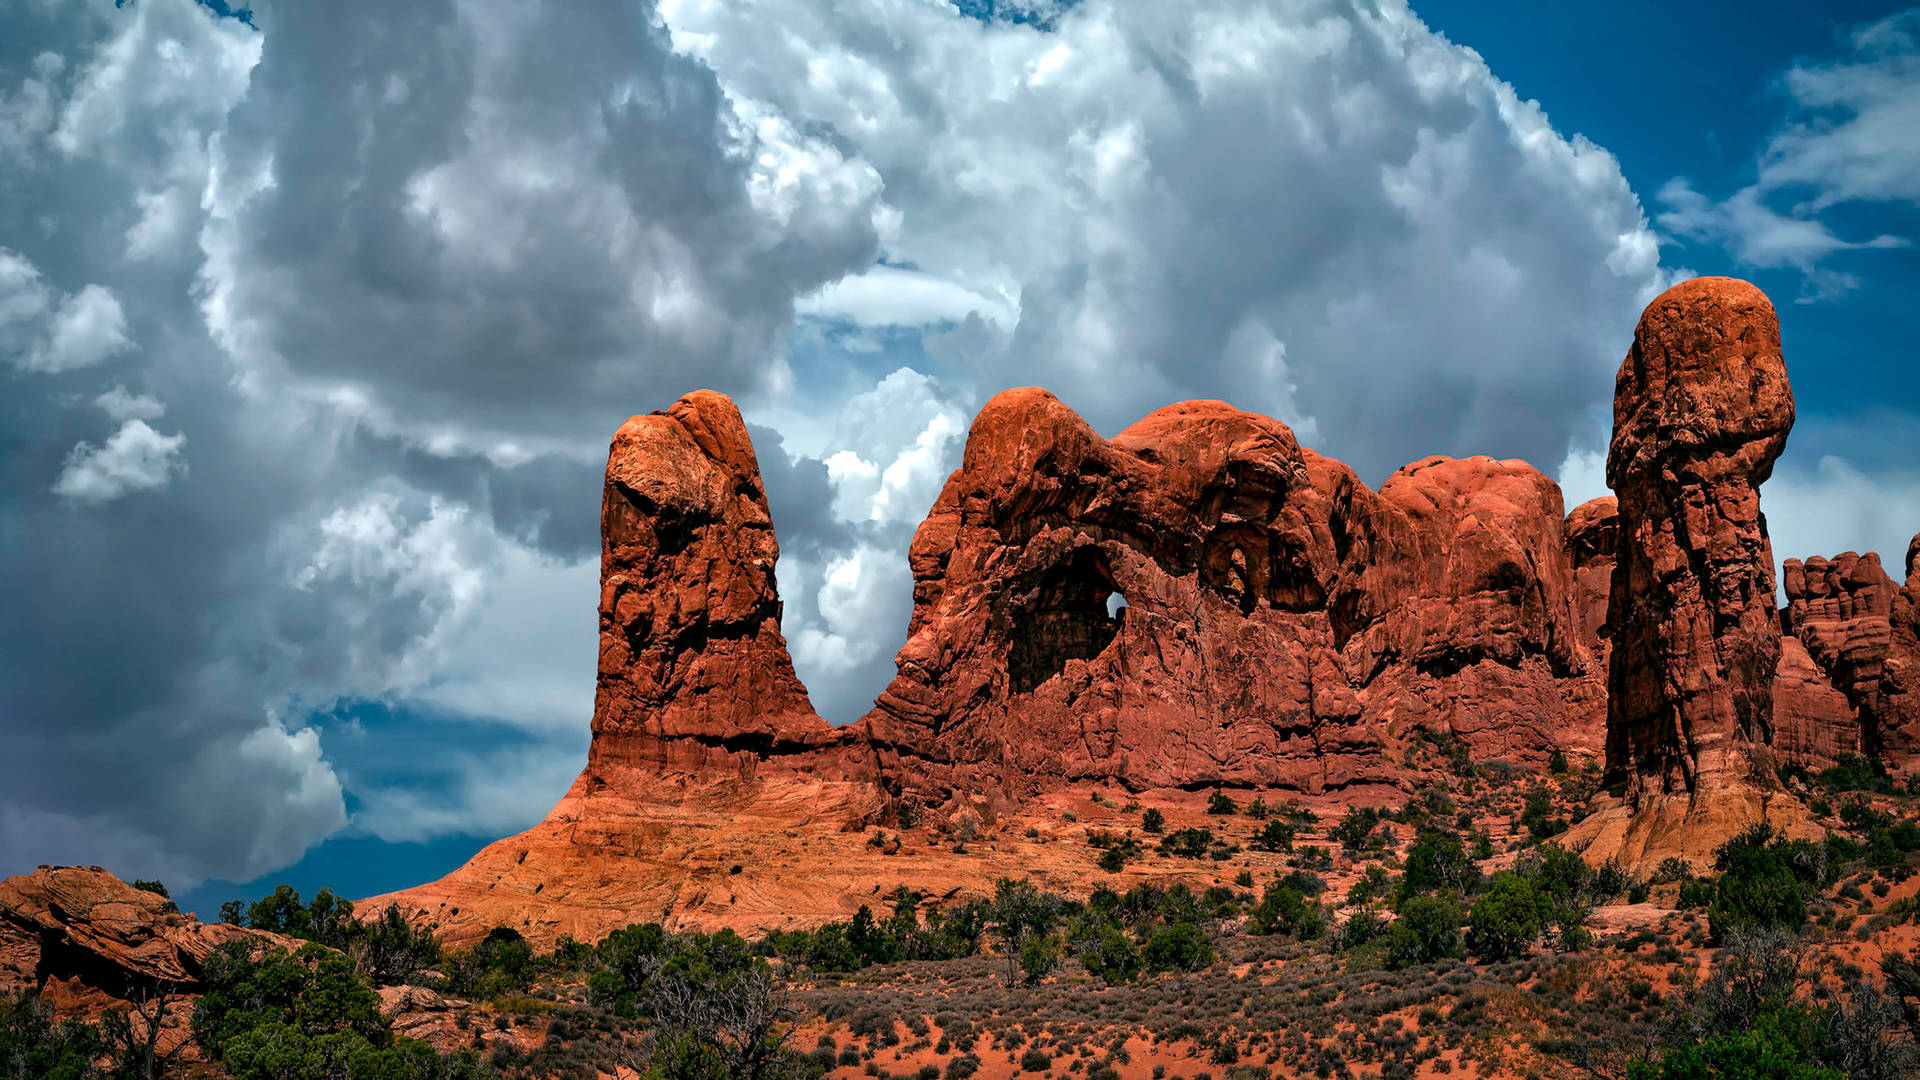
315	321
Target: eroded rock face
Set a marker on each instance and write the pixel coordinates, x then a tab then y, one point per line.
1593	542
1284	625
83	926
694	673
1701	411
1859	629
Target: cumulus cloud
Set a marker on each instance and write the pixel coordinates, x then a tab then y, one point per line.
394	272
1847	139
134	458
45	331
122	404
1437	269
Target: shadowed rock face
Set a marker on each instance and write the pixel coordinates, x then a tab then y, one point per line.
83	926
694	674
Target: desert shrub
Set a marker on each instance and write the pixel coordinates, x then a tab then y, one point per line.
1152	820
501	964
1286	910
1427	930
1187	843
1371	885
1221	803
1275	835
1108	953
1536	816
1356	829
391	949
1507	920
1360	929
1180	946
36	1044
1764	879
1436	860
306	1015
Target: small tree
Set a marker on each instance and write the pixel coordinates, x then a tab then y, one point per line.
1508	919
1153	820
1221	803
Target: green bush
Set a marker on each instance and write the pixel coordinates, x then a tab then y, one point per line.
1427	930
1181	946
1763	883
1221	803
1109	955
1153	820
1436	860
1275	835
1286	910
1508	919
1187	843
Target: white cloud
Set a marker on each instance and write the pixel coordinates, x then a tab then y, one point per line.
135	458
88	328
1836	506
123	405
44	331
894	296
1148	180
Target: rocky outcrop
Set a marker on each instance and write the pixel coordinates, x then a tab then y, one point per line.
1283	625
82	925
694	674
1701	411
1196	602
1859	629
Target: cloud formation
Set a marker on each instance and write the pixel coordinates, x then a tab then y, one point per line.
317	329
1848	138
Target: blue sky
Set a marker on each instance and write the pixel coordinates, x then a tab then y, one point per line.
313	335
1695	90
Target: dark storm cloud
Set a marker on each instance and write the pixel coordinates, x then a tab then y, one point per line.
380	319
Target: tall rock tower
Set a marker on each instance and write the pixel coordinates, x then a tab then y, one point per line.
1701	410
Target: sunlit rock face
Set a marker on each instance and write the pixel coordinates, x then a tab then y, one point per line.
1199	602
1701	410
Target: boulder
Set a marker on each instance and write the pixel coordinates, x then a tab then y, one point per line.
80	925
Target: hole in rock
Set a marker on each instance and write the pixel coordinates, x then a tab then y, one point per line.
1066	614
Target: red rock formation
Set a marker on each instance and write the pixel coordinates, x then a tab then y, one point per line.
1701	410
1593	544
1285	627
1859	628
82	925
694	674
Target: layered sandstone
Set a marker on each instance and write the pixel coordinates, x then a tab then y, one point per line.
1283	625
1859	630
1196	602
81	926
1702	408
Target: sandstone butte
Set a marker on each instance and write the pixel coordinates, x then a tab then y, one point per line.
1286	629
